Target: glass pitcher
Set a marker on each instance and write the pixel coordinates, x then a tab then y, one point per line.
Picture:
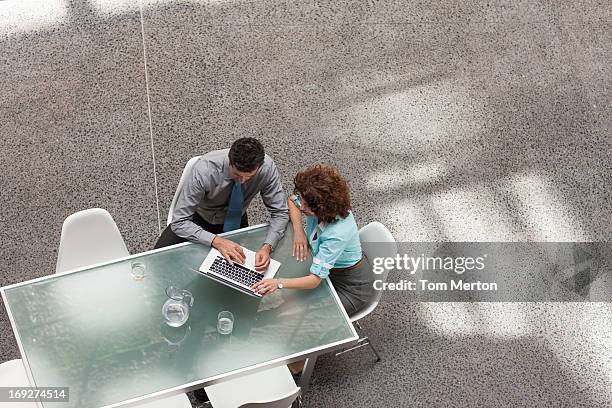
176	309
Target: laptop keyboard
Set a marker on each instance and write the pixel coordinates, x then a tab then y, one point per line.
235	272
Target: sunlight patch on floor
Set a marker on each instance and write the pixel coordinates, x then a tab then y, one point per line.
22	16
500	320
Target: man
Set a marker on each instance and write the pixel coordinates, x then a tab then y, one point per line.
216	195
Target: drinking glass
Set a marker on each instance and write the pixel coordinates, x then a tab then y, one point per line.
138	270
225	322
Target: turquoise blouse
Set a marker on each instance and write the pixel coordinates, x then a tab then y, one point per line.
333	245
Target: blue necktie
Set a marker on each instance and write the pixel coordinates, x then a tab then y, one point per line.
234	209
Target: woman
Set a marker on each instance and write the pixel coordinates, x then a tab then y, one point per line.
322	194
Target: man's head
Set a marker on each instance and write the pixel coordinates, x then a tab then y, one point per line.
246	157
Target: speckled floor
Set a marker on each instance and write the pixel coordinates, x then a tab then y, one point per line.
453	120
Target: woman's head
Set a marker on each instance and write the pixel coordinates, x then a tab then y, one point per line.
324	191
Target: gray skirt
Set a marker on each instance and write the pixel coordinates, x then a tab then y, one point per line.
354	286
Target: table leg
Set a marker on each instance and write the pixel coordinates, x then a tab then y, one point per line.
307	373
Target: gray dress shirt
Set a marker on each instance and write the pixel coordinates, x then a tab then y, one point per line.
207	191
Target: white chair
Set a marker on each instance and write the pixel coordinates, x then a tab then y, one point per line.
186	173
273	388
89	237
374	232
13	374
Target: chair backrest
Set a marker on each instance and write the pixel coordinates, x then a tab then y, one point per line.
89	237
384	245
13	374
186	173
282	402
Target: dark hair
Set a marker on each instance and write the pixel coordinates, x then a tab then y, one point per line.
325	191
247	154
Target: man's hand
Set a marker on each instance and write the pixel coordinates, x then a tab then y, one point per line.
300	245
231	251
265	286
262	257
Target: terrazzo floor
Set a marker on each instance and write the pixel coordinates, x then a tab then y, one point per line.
453	120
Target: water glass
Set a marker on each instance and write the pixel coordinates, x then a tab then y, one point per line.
225	322
138	270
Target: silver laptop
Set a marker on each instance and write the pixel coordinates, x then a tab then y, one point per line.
238	276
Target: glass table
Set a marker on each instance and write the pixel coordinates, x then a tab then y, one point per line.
101	333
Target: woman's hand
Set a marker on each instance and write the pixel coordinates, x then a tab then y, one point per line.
265	286
300	245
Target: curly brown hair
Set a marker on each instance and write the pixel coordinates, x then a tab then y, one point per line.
325	191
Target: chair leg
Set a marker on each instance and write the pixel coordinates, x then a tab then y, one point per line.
363	341
374	350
